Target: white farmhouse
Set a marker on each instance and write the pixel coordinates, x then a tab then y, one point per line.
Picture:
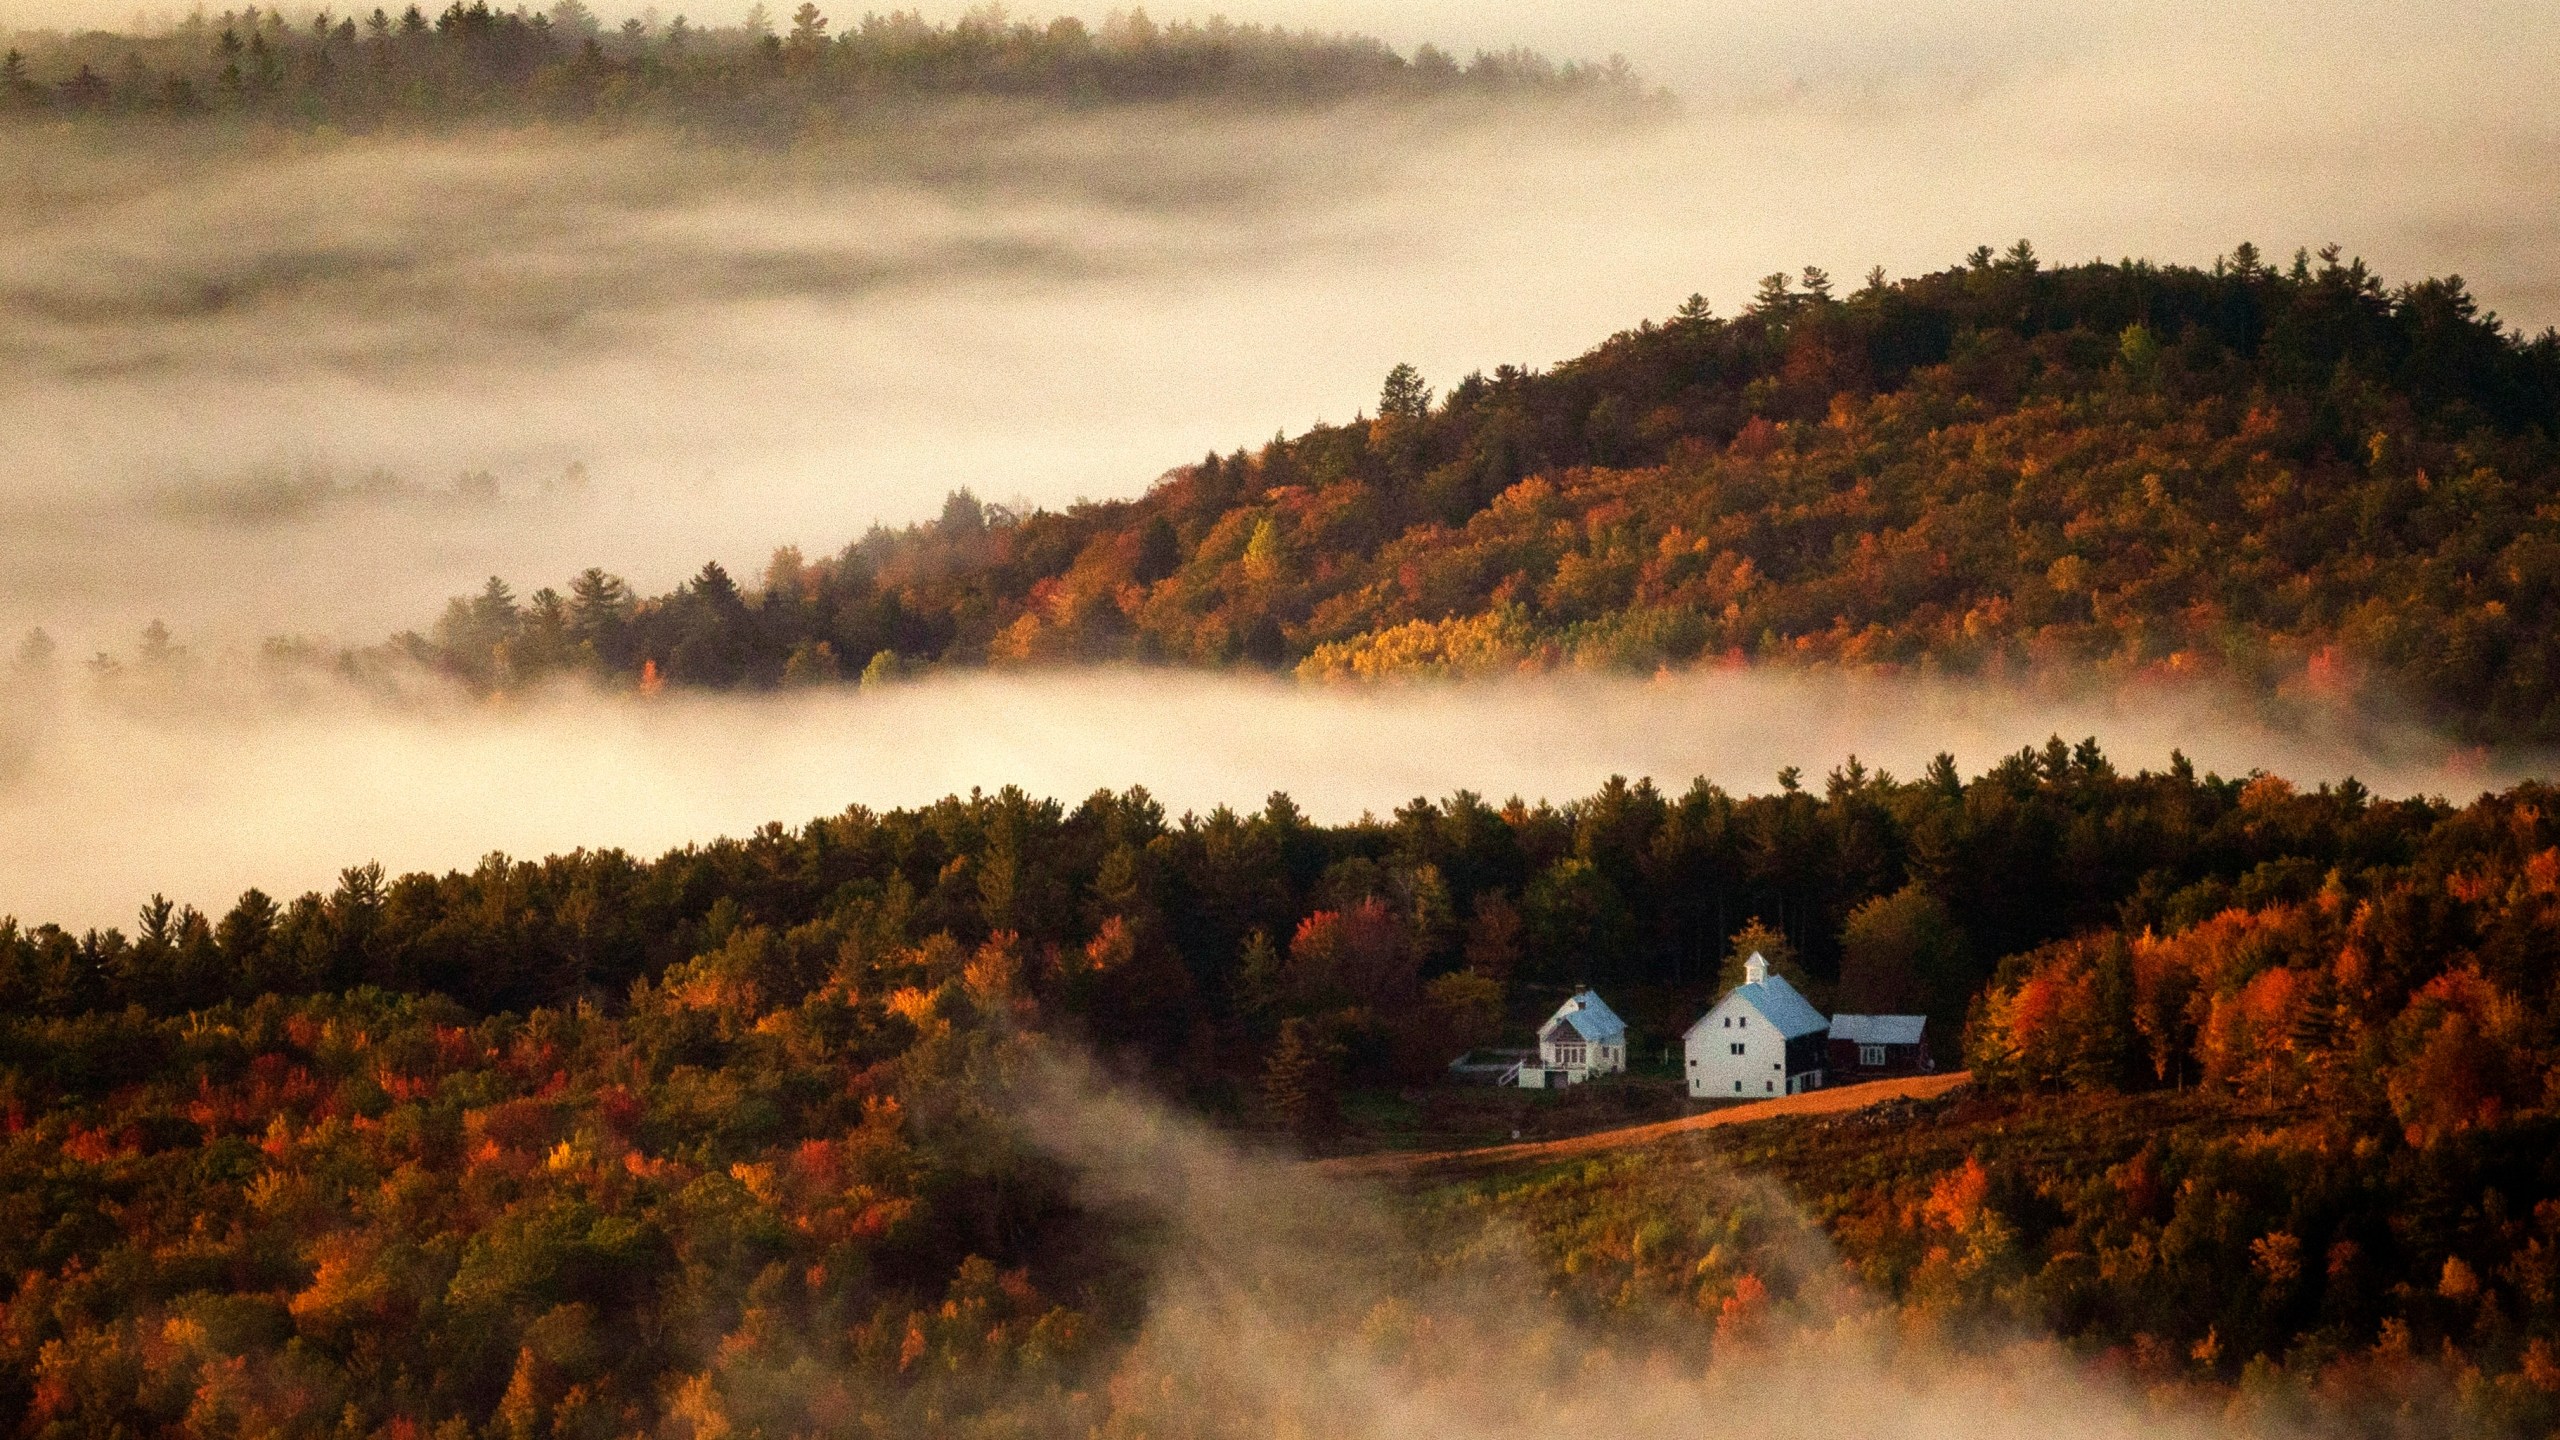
1763	1038
1582	1039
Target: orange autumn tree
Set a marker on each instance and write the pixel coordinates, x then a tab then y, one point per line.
1353	972
2462	1057
2062	1019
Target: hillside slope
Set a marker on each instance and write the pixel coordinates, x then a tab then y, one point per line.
2262	1101
2252	1256
2295	478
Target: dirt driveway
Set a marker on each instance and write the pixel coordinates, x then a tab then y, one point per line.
1430	1164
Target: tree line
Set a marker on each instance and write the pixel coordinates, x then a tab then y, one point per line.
358	70
2295	478
1189	941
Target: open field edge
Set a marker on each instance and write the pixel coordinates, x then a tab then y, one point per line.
1444	1164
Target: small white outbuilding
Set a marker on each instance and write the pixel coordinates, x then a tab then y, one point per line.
1582	1039
1763	1038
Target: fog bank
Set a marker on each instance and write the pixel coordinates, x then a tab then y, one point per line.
102	804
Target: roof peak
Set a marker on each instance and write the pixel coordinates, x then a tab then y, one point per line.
1589	1015
1777	1001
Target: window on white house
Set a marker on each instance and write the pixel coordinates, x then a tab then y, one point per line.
1871	1056
1737	1087
1769	1085
1737	1047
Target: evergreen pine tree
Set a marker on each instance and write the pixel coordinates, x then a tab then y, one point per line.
1301	1083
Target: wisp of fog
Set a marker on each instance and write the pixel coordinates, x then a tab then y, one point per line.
201	795
1288	1303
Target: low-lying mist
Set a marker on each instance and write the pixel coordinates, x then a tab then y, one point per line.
201	790
742	347
749	347
1287	1303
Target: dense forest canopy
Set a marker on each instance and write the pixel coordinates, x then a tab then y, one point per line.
1201	917
2295	477
356	71
599	1144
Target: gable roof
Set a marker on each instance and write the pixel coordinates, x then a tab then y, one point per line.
1590	1017
1775	1001
1879	1029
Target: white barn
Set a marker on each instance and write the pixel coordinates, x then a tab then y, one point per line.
1763	1038
1582	1039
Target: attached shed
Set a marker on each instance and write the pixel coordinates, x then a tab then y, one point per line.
1763	1038
1490	1067
1866	1046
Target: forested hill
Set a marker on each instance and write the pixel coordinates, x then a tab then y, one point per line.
359	70
723	1142
2292	476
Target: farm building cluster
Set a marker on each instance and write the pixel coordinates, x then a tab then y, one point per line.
1762	1038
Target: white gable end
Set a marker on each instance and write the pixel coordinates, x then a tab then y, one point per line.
1739	1049
1582	1039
